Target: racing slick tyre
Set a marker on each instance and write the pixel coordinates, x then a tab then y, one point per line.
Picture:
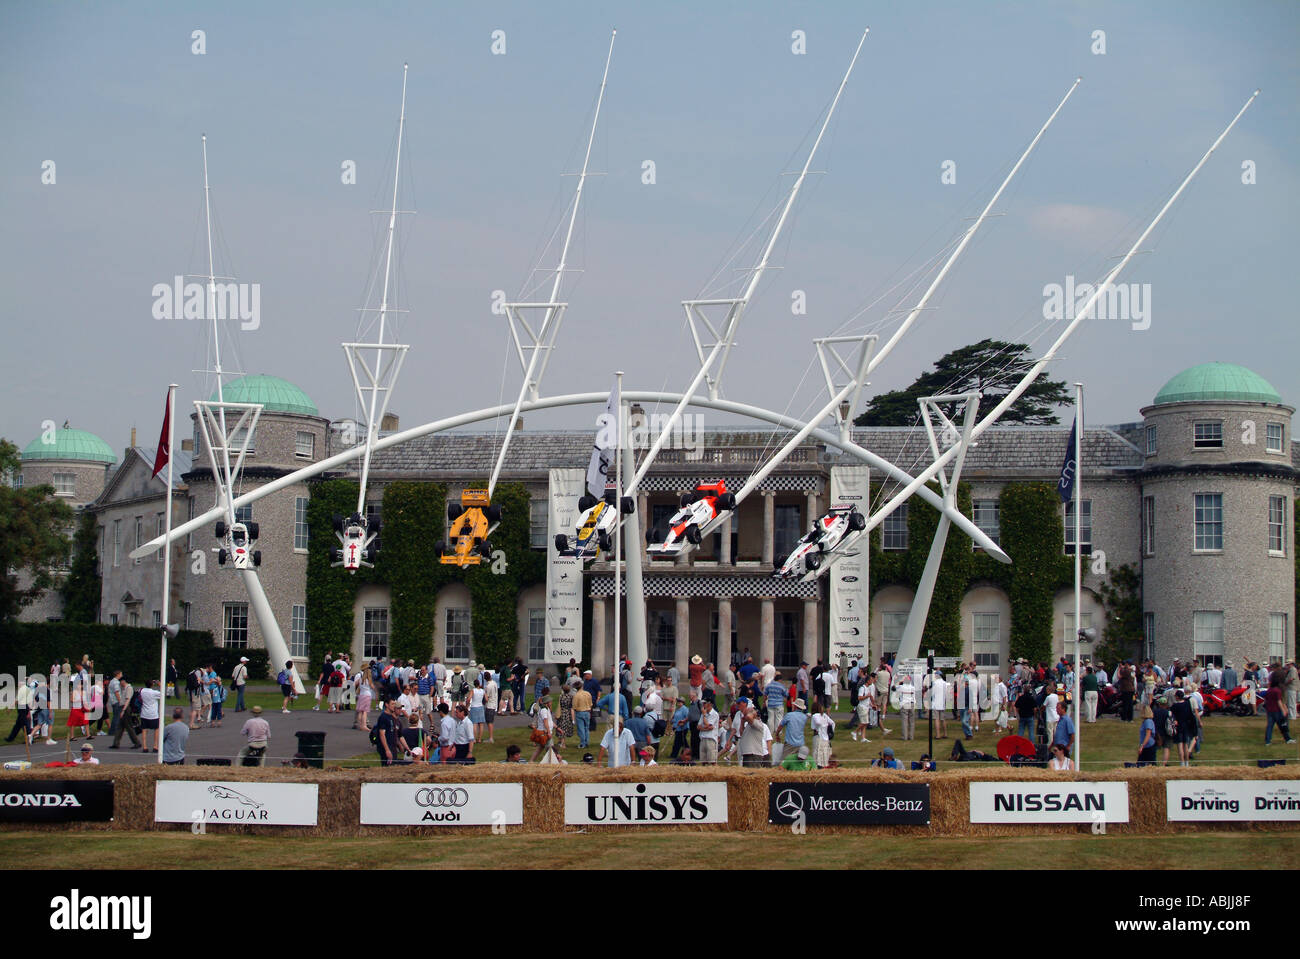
727	501
253	530
561	543
686	500
586	502
257	557
222	556
857	522
485	548
603	541
440	548
693	534
627	506
374	524
336	555
813	560
337	522
454	510
493	514
370	554
221	529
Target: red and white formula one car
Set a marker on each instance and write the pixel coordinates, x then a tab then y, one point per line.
834	533
698	509
360	543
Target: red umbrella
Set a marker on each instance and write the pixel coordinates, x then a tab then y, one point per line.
1009	746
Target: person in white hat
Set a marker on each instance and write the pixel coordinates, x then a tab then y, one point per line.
239	679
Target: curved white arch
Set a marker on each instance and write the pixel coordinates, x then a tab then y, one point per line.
959	520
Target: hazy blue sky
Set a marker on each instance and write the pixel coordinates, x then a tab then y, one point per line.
712	93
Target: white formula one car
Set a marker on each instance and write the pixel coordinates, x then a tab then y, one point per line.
359	538
834	533
698	509
596	524
236	545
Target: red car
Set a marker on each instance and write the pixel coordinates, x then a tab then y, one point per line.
698	509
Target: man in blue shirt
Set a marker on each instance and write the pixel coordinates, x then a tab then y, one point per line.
606	703
639	726
792	726
681	725
1064	735
775	695
748	670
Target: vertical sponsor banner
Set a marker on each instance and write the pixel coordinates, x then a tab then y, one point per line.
850	486
563	573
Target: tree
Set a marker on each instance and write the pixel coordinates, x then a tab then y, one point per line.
990	366
33	538
1122	598
81	590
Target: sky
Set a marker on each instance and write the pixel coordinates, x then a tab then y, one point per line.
715	96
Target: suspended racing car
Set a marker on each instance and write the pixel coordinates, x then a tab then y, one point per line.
596	524
360	538
698	509
834	532
236	547
472	522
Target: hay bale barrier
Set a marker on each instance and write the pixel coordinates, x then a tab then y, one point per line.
339	797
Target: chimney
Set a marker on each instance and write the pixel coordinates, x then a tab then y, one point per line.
519	423
133	437
389	423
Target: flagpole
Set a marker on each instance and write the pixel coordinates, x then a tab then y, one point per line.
167	568
1078	555
618	555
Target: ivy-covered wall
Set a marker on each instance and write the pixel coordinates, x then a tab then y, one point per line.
414	520
1030	531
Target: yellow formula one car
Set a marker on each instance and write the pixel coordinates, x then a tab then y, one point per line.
472	522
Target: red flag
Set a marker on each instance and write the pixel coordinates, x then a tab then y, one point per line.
164	443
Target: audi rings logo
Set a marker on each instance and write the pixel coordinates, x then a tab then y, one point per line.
789	803
437	798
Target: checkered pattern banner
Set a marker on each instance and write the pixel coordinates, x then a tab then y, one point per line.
601	585
774	484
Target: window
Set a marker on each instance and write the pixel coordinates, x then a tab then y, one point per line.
1276	524
1149	635
788	529
660	517
787	643
300	522
539	516
65	484
298	636
1273	437
237	440
1208	435
189	537
304	444
112	619
185	615
713	634
375	511
1151	440
1068	632
458	633
374	635
1085	528
117	542
18	481
133	617
1277	644
244	514
661	627
1207	636
157	619
986	638
892	624
160	527
139	535
894	536
1209	521
987	515
235	625
536	635
1148	525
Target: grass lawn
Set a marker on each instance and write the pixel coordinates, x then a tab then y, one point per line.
125	850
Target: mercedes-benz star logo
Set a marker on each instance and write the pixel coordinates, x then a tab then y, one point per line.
789	803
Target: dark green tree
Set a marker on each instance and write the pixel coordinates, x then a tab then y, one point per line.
1122	597
81	589
33	536
990	366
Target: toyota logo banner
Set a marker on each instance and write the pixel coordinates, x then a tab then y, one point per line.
849	804
442	804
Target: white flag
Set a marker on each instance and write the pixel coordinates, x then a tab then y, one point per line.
601	467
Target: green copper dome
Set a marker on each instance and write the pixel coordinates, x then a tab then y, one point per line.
70	445
1211	382
275	394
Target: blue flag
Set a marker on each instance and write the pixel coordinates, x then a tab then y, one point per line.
1065	485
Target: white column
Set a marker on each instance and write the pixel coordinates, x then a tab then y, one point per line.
767	629
769	527
682	634
682	559
811	513
724	554
724	632
811	636
601	656
643	510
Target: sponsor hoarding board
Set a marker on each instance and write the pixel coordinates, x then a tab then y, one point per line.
849	804
55	800
563	573
1049	802
1219	800
850	486
644	804
242	803
442	804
